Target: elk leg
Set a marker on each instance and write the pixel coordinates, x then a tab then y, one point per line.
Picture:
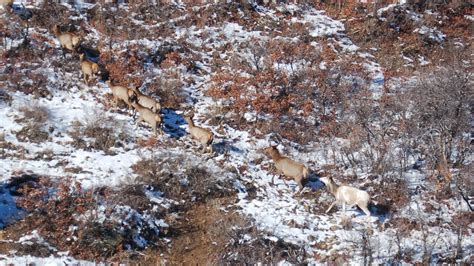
211	150
365	210
301	187
330	207
86	79
64	51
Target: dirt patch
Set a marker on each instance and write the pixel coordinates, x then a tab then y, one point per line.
213	233
200	235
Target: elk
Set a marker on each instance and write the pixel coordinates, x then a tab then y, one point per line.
288	167
203	135
6	3
147	115
119	92
89	68
145	100
347	195
67	40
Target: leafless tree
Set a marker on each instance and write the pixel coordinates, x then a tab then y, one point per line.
442	112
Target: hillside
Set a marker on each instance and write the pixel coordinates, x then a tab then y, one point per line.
381	103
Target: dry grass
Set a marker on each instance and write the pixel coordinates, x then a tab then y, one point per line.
179	179
54	208
36	119
99	133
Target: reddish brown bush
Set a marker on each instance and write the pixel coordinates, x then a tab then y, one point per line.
73	219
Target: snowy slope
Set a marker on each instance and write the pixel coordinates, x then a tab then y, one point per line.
275	208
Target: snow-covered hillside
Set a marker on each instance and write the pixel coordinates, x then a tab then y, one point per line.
82	181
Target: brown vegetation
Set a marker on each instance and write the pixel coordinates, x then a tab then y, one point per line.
192	183
68	220
35	119
99	133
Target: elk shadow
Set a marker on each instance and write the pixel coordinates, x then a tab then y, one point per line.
90	53
9	191
172	123
224	146
313	182
381	211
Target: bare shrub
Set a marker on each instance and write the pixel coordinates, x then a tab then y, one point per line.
5	97
442	114
98	133
89	224
395	193
179	179
278	87
247	245
168	88
133	196
23	82
32	132
42	17
465	184
37	114
35	119
124	68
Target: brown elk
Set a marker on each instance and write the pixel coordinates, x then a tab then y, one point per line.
147	115
119	92
67	40
203	135
89	68
288	167
145	100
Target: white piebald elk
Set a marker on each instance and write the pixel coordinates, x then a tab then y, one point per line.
119	92
203	135
67	40
147	115
288	167
89	68
145	100
347	195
